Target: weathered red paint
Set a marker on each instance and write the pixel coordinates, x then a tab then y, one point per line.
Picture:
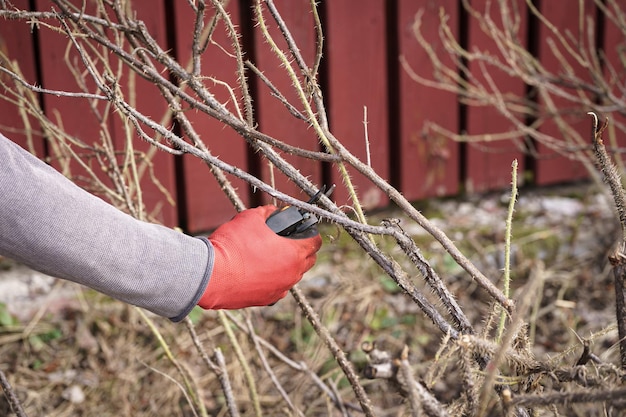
551	166
429	161
16	44
488	162
357	77
207	206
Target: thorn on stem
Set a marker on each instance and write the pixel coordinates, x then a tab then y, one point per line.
598	130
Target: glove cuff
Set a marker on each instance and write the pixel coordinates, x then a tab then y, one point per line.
225	278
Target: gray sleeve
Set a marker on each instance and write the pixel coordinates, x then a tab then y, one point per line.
51	225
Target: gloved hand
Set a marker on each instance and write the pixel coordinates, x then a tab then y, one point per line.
253	266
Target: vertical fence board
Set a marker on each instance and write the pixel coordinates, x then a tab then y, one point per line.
158	181
207	206
87	120
58	59
273	117
357	77
488	163
429	161
550	167
16	43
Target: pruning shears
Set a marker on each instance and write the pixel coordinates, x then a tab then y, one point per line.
294	222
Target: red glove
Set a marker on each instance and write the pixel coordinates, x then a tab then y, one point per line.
253	266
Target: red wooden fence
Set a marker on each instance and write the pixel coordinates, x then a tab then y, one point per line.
361	69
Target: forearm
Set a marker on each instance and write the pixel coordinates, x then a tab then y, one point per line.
51	225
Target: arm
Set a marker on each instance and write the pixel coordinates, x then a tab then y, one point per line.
51	225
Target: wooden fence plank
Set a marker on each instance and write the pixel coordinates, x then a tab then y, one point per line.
60	65
207	206
16	43
88	120
357	77
158	180
488	163
429	161
273	117
550	167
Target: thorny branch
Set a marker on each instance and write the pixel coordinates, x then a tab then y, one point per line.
14	402
609	171
618	257
580	396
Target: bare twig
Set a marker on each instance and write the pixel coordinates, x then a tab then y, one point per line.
230	398
419	397
615	396
431	277
241	357
189	384
217	365
337	352
299	366
398	371
268	368
14	402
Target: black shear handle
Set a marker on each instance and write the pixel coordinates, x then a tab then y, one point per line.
294	223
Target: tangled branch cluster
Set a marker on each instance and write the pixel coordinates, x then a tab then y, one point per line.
504	366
